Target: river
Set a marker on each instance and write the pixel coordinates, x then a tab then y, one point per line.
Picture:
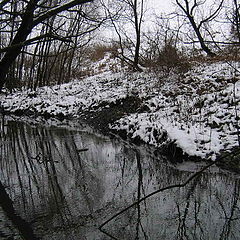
65	180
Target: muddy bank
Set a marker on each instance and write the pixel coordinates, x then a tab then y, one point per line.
107	113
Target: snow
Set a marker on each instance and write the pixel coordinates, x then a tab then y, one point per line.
198	110
201	124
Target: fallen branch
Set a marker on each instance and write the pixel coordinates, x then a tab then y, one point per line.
180	185
82	150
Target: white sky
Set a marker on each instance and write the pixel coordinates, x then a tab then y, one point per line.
153	7
160	5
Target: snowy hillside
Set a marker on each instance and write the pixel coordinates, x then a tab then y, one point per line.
198	110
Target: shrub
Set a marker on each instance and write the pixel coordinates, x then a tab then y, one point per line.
168	58
98	51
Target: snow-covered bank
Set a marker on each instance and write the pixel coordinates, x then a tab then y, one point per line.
200	113
198	110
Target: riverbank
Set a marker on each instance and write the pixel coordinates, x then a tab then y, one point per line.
194	114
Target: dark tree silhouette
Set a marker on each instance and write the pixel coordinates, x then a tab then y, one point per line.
27	16
189	8
131	11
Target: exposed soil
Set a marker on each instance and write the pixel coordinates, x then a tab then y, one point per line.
106	113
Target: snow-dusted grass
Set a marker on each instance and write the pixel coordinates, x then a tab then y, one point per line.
198	110
71	98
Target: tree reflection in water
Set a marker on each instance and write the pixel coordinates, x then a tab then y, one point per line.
66	191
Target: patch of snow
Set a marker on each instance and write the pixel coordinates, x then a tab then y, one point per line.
198	110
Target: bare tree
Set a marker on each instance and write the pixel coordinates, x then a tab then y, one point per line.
138	16
28	15
128	13
52	61
192	9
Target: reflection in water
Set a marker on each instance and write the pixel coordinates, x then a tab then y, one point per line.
66	182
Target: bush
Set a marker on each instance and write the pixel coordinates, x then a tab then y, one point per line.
168	58
98	51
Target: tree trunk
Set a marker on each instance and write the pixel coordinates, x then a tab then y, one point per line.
27	24
21	36
138	36
204	47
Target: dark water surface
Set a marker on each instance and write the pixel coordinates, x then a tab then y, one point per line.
65	181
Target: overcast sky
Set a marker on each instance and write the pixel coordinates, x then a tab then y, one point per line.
161	5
